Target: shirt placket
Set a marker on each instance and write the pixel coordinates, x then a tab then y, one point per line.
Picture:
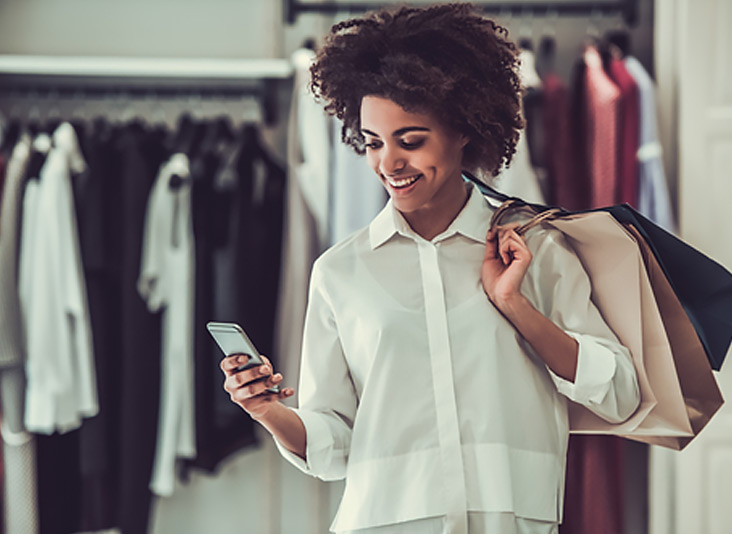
448	427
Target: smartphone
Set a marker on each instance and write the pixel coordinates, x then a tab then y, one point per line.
231	339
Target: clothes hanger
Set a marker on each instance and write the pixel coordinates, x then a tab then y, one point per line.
619	41
546	55
309	43
11	133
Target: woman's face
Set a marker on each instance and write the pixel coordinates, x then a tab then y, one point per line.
418	160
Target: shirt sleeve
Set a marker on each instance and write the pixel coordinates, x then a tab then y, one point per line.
327	397
557	284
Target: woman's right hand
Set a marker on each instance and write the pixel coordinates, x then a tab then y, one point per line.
248	388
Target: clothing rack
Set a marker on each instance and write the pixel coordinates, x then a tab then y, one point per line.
142	77
628	9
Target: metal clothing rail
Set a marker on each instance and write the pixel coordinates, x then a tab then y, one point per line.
193	69
628	9
260	78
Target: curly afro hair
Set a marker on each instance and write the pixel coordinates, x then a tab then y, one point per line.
445	60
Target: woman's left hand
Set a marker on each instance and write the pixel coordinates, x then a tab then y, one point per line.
505	263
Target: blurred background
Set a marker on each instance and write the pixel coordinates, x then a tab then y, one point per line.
162	165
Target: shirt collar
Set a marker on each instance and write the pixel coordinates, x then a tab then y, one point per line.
472	221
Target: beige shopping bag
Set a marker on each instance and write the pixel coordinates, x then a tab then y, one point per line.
622	291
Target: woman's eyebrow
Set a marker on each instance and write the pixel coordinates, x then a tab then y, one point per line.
400	131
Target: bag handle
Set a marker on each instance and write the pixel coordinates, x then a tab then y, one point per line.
542	213
551	213
537	219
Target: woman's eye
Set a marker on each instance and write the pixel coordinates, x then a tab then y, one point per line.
373	144
412	144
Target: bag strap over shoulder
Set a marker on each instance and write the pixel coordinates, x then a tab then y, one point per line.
512	204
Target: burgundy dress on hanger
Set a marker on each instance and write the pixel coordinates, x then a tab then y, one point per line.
557	157
593	500
628	132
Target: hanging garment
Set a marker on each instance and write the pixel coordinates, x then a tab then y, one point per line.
302	240
11	338
19	494
219	218
533	106
557	156
357	193
141	154
166	283
573	189
653	197
594	485
97	194
594	463
61	387
602	137
308	152
259	198
532	103
519	178
2	180
214	281
628	131
527	69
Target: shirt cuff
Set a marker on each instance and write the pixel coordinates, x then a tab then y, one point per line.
595	371
319	444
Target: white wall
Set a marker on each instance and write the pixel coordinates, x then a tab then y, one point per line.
143	28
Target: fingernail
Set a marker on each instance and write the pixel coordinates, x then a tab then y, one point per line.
277	377
264	370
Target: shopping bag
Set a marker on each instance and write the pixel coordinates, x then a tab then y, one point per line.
623	294
678	391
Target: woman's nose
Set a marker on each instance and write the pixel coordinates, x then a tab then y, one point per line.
392	162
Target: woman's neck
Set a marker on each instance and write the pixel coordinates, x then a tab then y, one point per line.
433	219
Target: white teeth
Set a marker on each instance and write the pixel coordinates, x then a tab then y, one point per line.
404	182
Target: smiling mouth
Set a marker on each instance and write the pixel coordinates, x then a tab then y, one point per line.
402	183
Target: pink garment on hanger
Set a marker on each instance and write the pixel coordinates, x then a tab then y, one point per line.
602	138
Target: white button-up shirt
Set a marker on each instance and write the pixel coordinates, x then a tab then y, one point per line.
425	398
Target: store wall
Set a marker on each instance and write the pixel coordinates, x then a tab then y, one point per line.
142	28
690	490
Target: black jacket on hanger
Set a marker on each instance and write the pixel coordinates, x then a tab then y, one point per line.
248	217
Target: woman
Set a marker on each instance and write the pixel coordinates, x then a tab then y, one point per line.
438	353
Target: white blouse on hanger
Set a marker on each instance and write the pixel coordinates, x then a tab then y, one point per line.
61	376
167	283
